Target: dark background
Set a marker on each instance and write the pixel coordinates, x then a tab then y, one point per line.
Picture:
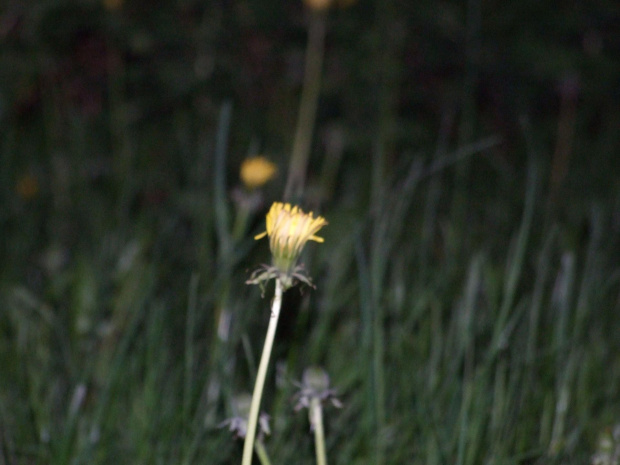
465	155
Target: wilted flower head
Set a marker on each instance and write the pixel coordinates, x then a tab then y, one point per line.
314	392
608	447
256	171
238	424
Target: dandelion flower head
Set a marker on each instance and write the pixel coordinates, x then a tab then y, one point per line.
288	229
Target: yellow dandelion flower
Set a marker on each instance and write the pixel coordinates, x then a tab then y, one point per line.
324	5
289	228
318	5
256	171
113	5
27	187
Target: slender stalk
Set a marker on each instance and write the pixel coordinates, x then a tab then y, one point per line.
241	223
316	412
260	377
307	107
189	347
262	453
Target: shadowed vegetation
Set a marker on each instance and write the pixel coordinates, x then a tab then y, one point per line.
465	155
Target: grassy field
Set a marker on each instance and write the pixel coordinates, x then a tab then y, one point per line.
468	289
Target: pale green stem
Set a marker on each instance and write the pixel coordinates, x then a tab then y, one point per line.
307	107
260	377
261	452
316	415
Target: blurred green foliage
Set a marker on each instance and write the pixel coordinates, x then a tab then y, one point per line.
466	158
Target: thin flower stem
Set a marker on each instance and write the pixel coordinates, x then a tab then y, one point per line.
307	108
316	411
241	223
260	377
262	453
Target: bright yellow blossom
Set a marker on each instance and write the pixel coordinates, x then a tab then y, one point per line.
256	171
288	229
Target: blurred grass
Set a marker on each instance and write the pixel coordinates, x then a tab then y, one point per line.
466	305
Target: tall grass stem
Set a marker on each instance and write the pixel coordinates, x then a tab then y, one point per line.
307	108
190	323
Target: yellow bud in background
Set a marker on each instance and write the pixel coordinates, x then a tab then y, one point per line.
27	187
324	5
113	5
318	5
256	171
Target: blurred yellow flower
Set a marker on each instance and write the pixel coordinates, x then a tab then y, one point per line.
27	186
256	171
324	5
318	5
113	5
289	228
